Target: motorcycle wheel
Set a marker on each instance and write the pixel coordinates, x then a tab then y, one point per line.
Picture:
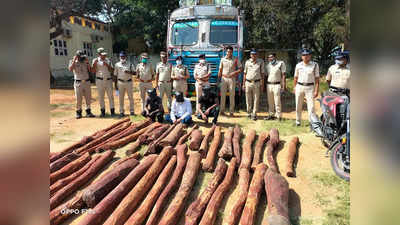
338	161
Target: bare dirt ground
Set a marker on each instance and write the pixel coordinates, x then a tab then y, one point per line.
313	193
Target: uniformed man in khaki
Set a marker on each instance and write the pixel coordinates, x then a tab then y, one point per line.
124	71
180	74
276	82
202	74
145	73
163	78
229	69
254	72
306	84
338	75
79	65
103	67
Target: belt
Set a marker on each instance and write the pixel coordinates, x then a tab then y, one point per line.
145	81
164	81
278	82
253	81
305	84
125	80
82	80
100	78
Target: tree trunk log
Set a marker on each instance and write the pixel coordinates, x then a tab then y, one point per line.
139	216
58	155
195	140
210	215
70	168
237	208
133	156
237	135
292	155
258	150
185	137
173	212
271	149
106	206
247	154
226	149
81	180
172	138
156	133
60	163
172	185
60	214
204	144
196	209
253	196
99	189
129	203
277	189
154	145
208	163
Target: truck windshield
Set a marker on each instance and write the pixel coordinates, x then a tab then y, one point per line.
185	33
223	32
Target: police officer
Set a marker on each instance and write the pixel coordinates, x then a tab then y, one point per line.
79	65
180	74
145	73
229	69
181	110
306	84
153	106
163	78
254	72
208	105
202	74
276	75
338	75
123	71
102	67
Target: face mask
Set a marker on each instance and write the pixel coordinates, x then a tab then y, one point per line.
178	62
339	62
123	60
202	61
273	62
144	60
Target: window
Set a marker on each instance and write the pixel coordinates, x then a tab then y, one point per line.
223	32
87	48
185	33
60	47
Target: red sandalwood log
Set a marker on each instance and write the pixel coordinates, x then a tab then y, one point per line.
204	143
60	163
172	138
237	135
247	154
185	137
133	156
262	138
208	163
271	149
154	145
195	140
70	168
62	212
226	149
57	155
292	154
156	133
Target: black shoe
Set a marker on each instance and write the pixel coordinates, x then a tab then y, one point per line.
121	115
112	110
254	118
133	114
249	115
297	124
89	113
269	117
78	114
103	113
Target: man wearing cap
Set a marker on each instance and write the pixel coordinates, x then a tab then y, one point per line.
163	78
180	74
79	65
208	105
181	110
123	72
145	73
276	75
338	75
252	82
306	84
102	67
202	74
229	69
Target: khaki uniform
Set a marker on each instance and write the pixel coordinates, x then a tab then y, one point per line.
179	72
104	83
200	71
145	73
339	76
306	74
164	81
253	71
228	66
274	80
124	84
81	84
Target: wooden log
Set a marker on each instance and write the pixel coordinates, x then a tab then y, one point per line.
185	137
172	138
81	180
63	182
226	149
57	155
196	209
64	211
99	189
58	164
258	150
130	201
142	139
172	185
204	143
177	204
237	135
156	133
139	216
271	149
133	156
70	168
277	189
210	215
253	196
195	140
208	163
237	208
247	154
106	206
153	146
292	154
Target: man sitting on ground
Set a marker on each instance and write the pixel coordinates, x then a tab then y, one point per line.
153	106
181	110
208	105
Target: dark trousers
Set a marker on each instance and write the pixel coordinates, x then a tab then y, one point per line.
213	113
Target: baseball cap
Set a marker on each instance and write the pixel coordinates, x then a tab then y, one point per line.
163	54
122	54
305	51
253	51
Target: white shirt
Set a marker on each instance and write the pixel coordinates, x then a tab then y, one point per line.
306	73
101	69
181	110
